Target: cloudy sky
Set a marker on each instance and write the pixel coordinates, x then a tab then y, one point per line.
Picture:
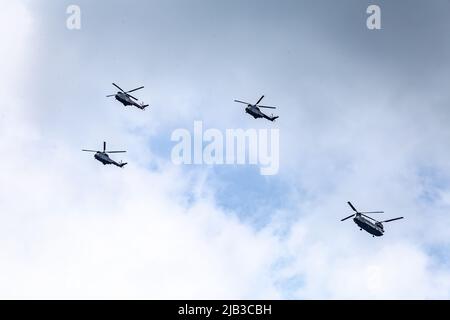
363	117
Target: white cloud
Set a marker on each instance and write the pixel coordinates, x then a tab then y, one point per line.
101	232
72	228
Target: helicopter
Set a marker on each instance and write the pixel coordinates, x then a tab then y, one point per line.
103	157
253	110
374	228
126	98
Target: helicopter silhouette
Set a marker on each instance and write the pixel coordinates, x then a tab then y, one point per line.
375	228
126	98
253	110
103	157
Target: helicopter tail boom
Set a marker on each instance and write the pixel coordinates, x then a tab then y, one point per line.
272	118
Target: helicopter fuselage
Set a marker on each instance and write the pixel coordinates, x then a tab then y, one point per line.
375	229
124	99
256	113
127	101
105	159
103	156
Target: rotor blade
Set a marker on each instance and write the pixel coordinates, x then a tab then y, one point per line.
351	206
259	100
347	217
241	102
369	217
89	150
370	212
131	96
104	146
267	107
392	219
115	151
115	85
135	89
110	95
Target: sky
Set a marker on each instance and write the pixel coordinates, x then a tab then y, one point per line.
363	118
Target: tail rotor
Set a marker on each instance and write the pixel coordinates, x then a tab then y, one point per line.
122	164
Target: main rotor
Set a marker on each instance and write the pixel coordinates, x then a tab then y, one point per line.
364	214
104	150
256	104
127	93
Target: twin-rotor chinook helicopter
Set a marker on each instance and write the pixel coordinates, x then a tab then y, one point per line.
375	228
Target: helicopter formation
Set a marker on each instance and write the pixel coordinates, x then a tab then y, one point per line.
127	99
361	219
